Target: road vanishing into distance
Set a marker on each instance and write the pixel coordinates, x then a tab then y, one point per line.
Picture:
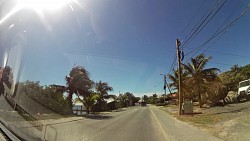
137	123
134	124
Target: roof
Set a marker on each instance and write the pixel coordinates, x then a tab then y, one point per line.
109	100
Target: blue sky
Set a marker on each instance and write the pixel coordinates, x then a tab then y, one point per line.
127	43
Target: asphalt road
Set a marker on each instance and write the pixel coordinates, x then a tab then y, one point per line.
134	124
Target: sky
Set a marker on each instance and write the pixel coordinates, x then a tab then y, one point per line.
127	43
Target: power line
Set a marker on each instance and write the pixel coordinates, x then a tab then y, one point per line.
190	21
173	64
218	29
210	7
204	22
221	32
230	54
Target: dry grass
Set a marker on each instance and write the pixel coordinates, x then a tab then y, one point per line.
231	122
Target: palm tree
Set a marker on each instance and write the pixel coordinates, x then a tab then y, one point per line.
235	68
199	75
102	88
174	84
89	101
77	81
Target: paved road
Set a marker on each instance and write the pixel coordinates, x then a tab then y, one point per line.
134	124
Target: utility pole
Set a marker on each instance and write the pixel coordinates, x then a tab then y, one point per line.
165	83
178	43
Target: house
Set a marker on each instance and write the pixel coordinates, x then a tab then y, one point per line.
78	107
142	103
111	103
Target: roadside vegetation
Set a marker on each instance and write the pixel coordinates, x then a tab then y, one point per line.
60	99
214	97
209	86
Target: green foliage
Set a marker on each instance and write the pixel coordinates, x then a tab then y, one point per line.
89	100
186	87
152	99
197	80
47	96
204	84
127	99
232	78
145	98
215	91
78	82
102	88
198	76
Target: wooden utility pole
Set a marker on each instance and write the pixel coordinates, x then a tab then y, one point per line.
178	43
165	84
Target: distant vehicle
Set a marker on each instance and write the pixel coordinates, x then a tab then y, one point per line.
244	90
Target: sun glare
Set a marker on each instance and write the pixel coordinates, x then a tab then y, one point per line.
37	5
43	4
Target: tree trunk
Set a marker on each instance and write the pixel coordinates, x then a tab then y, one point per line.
199	93
69	100
87	108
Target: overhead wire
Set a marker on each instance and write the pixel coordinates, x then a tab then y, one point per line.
218	29
212	8
219	32
208	21
205	21
193	29
190	21
223	53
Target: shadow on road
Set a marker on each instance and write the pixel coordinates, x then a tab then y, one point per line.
97	117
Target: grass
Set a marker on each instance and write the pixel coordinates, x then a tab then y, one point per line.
197	119
202	120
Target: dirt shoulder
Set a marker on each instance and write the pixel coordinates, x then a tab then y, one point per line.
230	122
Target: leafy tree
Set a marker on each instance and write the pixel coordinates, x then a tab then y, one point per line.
198	75
186	87
216	91
46	96
89	100
232	77
246	71
126	99
78	82
102	88
152	99
145	98
123	100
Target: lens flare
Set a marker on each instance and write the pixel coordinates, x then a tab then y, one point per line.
43	4
39	6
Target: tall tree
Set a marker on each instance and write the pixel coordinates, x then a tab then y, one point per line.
78	82
185	86
199	75
89	100
102	88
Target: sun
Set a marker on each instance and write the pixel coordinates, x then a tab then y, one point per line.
40	5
